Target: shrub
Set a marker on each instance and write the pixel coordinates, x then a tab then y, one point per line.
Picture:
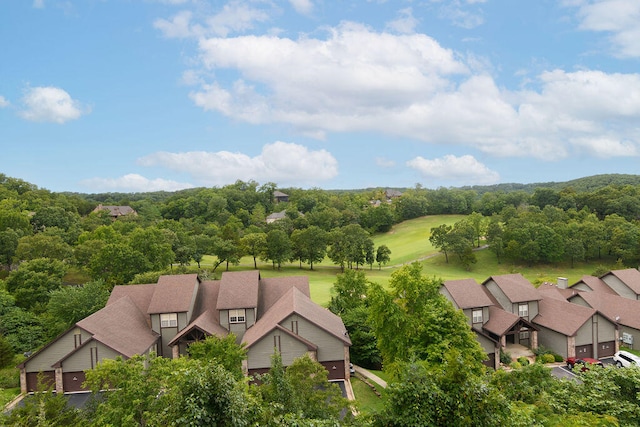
515	365
6	352
548	358
9	378
505	358
523	361
558	358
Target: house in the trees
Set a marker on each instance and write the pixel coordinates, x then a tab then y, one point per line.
573	330
517	296
165	317
116	211
494	327
279	196
625	283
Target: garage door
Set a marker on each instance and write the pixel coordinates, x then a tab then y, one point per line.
584	350
43	380
606	349
72	381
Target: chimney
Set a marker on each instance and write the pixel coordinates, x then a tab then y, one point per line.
563	283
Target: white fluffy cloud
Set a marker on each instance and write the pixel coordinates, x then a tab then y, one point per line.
619	18
3	102
51	104
465	169
304	7
234	17
405	23
357	79
134	183
281	162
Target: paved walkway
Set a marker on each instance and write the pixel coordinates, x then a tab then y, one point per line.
370	376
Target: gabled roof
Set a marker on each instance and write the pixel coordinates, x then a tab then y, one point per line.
294	301
515	287
273	288
121	326
277	215
277	193
238	290
467	293
596	284
562	316
629	276
174	294
115	210
139	294
619	309
552	291
500	321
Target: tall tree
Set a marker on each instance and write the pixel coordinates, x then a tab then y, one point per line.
278	248
311	244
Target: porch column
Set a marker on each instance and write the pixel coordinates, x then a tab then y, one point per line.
534	340
175	351
616	339
23	380
59	382
571	346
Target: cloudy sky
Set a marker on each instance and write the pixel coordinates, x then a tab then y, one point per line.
144	95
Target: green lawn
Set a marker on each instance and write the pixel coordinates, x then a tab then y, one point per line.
368	401
409	241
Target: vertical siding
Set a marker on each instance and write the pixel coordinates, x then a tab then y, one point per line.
259	355
155	322
580	301
81	360
194	298
54	352
183	320
553	340
329	347
533	309
447	295
250	317
500	296
606	329
224	319
167	334
585	334
618	286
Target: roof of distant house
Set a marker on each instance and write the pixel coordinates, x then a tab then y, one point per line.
115	211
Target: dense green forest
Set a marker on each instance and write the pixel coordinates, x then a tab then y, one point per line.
48	240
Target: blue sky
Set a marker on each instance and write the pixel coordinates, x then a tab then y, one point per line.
145	95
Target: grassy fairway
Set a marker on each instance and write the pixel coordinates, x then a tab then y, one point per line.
409	241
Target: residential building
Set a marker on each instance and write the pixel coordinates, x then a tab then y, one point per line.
165	317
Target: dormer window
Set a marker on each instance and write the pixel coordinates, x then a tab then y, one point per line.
237	316
169	320
477	316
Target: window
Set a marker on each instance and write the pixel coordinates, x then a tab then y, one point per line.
236	316
477	316
524	335
523	310
169	320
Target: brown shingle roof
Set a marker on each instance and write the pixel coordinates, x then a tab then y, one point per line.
467	293
139	294
552	291
515	287
294	301
500	321
629	276
174	294
238	289
625	310
562	316
121	326
596	284
272	289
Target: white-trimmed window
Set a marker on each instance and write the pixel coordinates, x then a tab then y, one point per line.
237	316
477	316
523	310
169	320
